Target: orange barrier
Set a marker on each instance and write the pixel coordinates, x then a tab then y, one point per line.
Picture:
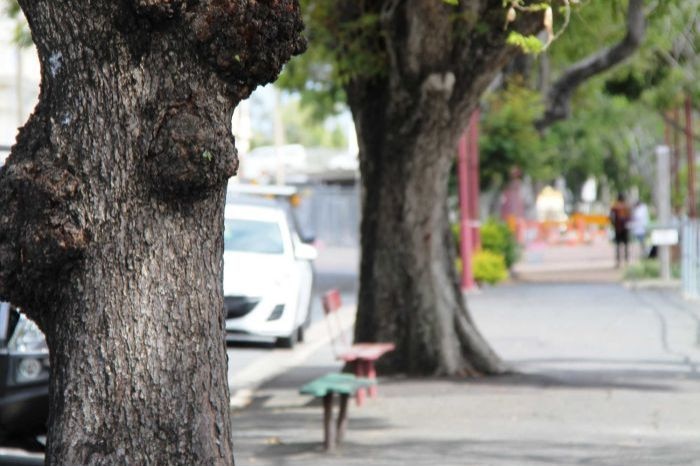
577	229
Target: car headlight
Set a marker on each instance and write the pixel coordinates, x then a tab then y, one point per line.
30	370
27	338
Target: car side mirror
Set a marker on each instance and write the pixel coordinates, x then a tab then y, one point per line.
307	238
305	252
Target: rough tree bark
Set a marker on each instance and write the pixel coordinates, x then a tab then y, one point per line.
112	219
558	104
440	59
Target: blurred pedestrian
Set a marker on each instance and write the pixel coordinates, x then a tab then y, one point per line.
639	225
619	218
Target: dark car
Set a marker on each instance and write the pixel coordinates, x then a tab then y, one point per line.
24	375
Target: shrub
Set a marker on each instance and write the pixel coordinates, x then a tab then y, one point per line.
489	267
649	268
497	238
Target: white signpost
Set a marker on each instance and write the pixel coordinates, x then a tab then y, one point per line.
664	237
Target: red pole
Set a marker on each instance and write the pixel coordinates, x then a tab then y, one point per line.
465	243
473	184
692	207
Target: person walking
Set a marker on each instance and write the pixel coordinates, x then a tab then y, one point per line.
619	218
639	225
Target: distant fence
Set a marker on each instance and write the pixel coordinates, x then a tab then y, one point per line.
331	213
690	259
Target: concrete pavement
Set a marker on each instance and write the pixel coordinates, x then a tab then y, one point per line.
560	263
606	376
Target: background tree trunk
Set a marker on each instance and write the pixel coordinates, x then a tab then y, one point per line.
111	232
409	289
440	58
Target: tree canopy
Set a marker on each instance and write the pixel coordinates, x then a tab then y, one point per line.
658	69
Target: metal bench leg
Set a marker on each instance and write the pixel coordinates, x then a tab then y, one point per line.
342	418
360	371
372	375
328	426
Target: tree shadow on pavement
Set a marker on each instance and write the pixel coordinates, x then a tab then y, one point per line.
599	373
492	452
298	376
645	381
576	373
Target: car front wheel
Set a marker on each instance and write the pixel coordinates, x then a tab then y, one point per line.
288	342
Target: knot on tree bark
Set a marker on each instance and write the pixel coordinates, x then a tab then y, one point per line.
248	42
191	153
41	231
159	10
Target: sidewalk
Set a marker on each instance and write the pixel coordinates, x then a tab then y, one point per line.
589	263
606	376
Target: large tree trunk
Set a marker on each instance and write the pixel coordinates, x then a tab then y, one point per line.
111	229
408	117
409	289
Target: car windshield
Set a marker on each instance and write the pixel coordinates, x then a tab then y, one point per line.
253	236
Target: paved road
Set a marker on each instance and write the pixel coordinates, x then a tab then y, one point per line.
592	329
560	263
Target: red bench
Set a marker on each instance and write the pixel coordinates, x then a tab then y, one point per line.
361	355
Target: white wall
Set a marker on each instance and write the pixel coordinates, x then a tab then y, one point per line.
19	84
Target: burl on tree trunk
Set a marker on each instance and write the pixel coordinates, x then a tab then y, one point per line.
440	58
112	218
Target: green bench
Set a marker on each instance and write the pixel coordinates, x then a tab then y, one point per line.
345	385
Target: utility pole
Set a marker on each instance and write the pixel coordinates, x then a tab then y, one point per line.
663	205
278	137
692	203
676	164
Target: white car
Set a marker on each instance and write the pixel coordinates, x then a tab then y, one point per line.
268	273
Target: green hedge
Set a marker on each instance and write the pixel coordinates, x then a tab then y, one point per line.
497	238
649	268
489	267
499	251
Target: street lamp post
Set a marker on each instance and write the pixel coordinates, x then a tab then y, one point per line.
692	206
663	205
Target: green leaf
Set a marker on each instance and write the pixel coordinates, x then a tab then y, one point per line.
528	44
451	2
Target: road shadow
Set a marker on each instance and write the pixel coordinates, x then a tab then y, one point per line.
496	452
582	374
295	378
